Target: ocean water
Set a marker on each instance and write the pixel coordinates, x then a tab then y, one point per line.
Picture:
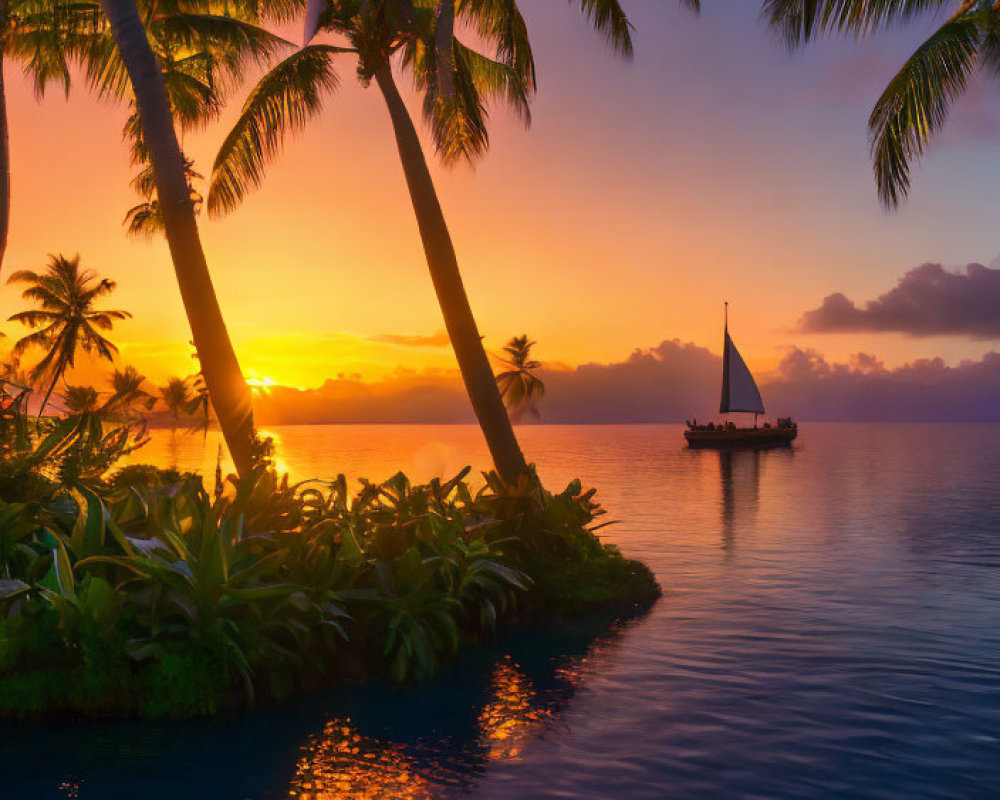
830	628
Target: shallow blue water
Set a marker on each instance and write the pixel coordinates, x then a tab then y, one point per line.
829	629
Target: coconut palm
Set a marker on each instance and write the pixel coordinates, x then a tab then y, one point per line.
916	103
81	399
41	35
201	47
199	402
127	395
67	318
175	397
456	82
519	386
129	62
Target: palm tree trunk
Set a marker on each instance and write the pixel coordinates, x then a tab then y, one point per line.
229	392
480	382
4	158
48	394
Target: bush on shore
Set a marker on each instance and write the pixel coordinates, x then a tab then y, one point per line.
143	594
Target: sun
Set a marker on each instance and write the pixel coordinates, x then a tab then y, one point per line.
260	384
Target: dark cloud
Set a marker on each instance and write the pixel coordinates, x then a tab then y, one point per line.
925	390
669	383
439	339
927	301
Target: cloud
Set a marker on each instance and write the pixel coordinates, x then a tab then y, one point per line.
927	301
439	339
864	390
667	383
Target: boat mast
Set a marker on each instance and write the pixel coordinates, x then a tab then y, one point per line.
724	403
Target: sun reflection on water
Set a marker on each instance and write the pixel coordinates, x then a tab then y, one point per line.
512	715
341	764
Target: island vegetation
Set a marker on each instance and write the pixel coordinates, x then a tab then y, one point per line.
139	590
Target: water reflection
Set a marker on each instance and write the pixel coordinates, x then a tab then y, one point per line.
341	763
739	475
344	763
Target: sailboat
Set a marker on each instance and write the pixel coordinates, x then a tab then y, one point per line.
739	393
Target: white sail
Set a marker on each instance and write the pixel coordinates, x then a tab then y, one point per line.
739	390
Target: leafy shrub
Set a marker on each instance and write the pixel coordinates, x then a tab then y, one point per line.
142	594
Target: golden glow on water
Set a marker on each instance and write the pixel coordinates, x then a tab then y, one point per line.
277	457
510	718
340	764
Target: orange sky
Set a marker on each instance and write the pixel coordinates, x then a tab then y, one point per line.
714	166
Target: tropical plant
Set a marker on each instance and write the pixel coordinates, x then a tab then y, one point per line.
127	397
176	68
67	318
199	404
456	82
916	103
175	397
519	386
141	594
81	399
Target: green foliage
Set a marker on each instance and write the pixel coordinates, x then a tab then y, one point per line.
141	594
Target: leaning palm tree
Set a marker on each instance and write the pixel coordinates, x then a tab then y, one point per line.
175	397
456	82
67	319
916	103
133	64
519	386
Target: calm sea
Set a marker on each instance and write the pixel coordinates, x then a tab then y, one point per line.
830	628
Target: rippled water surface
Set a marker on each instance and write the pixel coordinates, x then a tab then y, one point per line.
830	628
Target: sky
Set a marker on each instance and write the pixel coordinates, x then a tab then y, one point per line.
713	166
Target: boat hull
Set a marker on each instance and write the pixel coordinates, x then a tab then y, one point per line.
740	438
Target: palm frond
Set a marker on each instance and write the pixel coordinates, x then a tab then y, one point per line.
609	19
103	68
33	318
499	22
915	104
497	81
281	103
193	100
799	21
231	42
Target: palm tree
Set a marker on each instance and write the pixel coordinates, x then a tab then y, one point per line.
127	393
67	318
175	398
81	399
132	62
456	82
201	46
199	403
40	35
916	103
519	386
